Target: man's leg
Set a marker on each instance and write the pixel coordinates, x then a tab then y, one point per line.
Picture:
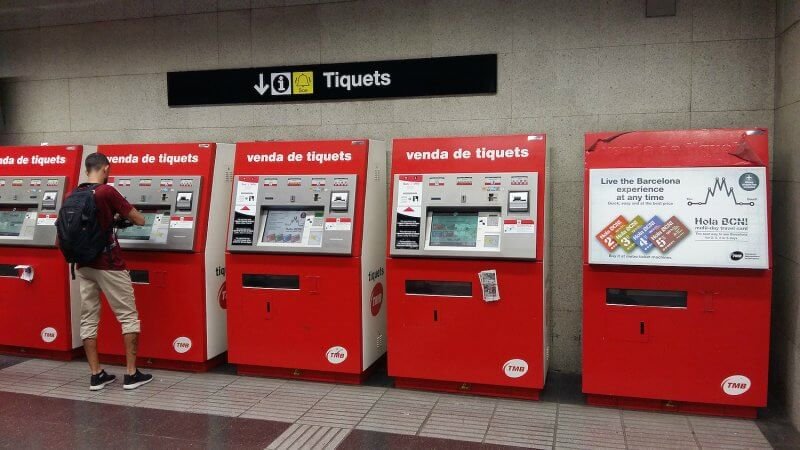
90	316
131	347
90	346
117	286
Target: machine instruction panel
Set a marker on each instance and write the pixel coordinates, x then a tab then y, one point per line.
28	210
169	205
465	214
293	214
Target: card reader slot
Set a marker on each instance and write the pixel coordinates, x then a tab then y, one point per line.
8	270
439	288
263	281
641	297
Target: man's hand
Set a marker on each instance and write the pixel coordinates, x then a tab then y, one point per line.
136	217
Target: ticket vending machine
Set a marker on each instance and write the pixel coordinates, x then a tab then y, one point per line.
177	259
36	315
677	270
467	265
305	259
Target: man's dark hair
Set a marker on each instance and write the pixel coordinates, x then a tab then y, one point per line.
96	161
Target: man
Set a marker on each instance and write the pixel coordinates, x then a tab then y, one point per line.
109	274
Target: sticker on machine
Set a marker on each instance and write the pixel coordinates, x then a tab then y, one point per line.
181	222
244	215
515	368
681	216
736	385
46	219
338	224
519	226
336	355
49	334
409	190
182	345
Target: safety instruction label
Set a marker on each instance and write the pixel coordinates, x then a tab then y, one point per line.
519	226
409	212
338	224
46	219
181	222
244	216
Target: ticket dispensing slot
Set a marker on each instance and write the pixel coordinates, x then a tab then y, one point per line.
650	298
439	288
140	276
9	270
263	281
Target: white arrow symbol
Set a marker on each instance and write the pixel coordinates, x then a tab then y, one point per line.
261	88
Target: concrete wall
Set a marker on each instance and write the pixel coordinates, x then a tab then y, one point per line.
786	216
565	67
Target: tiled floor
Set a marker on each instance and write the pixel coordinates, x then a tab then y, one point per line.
280	414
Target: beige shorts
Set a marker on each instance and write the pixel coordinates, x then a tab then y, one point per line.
116	285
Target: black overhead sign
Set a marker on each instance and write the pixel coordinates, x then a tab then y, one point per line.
453	75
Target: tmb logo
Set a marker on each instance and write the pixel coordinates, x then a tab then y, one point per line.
336	355
515	368
49	334
376	299
736	385
182	345
222	296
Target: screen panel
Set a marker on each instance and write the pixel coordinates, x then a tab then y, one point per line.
11	222
454	229
302	227
154	229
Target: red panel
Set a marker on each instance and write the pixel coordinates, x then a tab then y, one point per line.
462	344
60	160
193	159
172	305
294	329
676	354
26	309
464	339
342	157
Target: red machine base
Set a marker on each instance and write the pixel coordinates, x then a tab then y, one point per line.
468	388
309	375
58	355
646	404
300	374
168	364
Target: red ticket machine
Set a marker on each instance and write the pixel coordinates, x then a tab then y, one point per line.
677	270
467	265
305	259
177	259
36	315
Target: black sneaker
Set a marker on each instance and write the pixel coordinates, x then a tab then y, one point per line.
136	380
100	380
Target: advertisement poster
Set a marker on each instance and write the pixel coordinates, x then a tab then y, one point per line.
690	217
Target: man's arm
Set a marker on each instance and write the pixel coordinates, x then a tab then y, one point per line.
136	217
121	206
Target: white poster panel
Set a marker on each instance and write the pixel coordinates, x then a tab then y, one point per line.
690	217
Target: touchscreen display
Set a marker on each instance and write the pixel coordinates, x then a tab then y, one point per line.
11	222
143	232
292	227
454	229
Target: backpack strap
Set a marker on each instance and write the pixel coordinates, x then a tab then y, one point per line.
72	270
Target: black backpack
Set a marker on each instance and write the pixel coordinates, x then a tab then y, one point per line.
80	236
